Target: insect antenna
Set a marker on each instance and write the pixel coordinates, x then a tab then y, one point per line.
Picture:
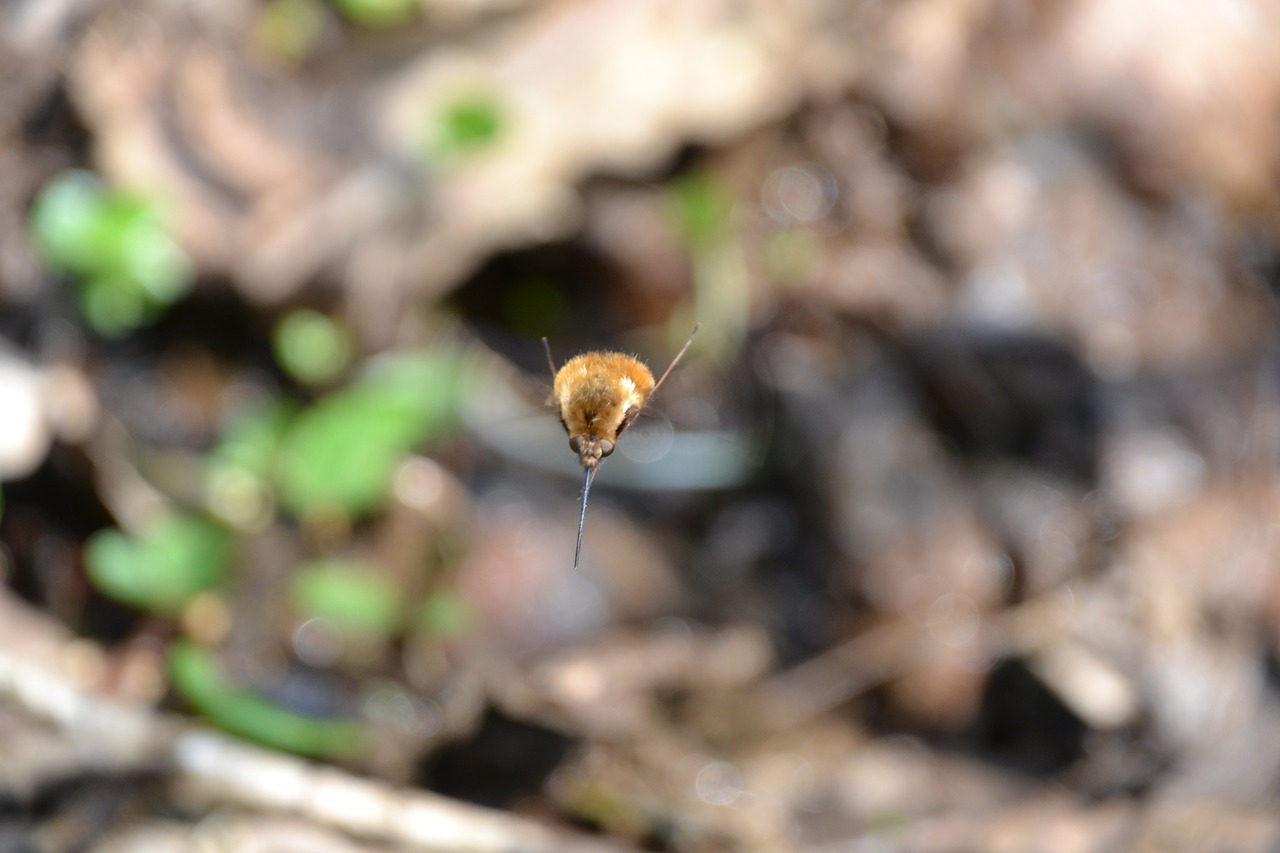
675	360
551	363
588	476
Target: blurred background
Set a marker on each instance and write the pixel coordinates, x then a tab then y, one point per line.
958	528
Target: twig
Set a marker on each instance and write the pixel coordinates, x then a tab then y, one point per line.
109	735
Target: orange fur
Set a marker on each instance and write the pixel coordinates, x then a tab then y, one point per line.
593	392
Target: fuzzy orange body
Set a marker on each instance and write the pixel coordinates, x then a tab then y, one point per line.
598	394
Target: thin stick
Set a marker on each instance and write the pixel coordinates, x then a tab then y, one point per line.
96	733
546	345
588	476
676	360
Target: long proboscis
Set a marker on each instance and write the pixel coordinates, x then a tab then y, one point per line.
588	475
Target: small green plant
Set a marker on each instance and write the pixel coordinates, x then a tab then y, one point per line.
378	13
336	457
352	596
198	679
700	212
339	455
240	471
469	123
312	348
159	571
701	208
129	269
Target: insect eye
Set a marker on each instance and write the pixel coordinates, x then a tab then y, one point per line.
575	443
606	447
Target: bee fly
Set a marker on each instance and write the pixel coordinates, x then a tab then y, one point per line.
598	395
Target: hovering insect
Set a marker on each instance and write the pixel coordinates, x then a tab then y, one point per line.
598	395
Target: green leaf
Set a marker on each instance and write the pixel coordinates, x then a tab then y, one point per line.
701	208
63	218
351	595
239	478
311	347
378	13
129	267
339	455
251	441
112	307
160	571
197	677
469	123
